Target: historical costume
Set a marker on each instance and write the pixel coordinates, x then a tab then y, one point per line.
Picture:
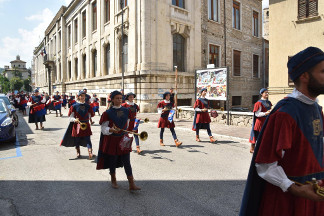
64	102
202	118
289	149
57	103
76	135
71	100
115	145
133	108
23	102
95	104
260	112
37	110
165	107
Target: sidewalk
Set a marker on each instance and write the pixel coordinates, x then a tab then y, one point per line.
216	128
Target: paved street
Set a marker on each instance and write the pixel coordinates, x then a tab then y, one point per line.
38	177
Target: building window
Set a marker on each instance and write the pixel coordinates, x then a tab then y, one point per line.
214	55
107	52
290	82
307	8
94	16
179	3
236	100
255	98
178	51
76	68
76	30
84	65
255	66
84	24
107	11
213	10
125	53
94	62
236	15
236	63
69	36
255	24
59	41
70	70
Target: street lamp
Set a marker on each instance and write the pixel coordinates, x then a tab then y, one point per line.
122	41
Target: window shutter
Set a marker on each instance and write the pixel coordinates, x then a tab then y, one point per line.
313	8
302	9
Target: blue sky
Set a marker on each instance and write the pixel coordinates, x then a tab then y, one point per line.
23	23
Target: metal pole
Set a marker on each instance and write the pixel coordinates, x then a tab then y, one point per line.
122	41
176	90
227	95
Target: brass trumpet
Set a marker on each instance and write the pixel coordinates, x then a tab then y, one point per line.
83	126
143	135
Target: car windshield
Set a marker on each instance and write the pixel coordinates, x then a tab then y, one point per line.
5	99
2	107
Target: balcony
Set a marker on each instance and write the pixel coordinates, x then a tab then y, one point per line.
49	59
179	13
118	16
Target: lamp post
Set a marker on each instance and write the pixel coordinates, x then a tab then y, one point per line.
122	41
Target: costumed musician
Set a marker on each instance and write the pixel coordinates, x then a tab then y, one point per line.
95	104
289	152
88	101
261	110
47	102
134	109
75	135
165	107
71	100
64	102
115	145
37	110
57	102
202	118
22	102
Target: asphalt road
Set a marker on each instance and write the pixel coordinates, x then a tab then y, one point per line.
38	177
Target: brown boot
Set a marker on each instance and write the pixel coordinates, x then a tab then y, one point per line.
252	148
212	140
139	151
161	142
114	181
177	142
78	152
90	153
132	185
197	138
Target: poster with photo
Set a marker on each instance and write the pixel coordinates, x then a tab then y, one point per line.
215	82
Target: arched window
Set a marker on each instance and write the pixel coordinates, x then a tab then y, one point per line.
124	53
107	58
84	66
76	65
94	62
178	51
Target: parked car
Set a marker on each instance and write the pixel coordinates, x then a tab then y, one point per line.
14	115
7	129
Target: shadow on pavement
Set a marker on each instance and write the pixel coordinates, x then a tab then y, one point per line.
165	197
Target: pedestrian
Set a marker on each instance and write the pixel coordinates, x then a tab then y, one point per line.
71	100
134	109
79	131
37	110
165	107
64	102
115	145
289	150
88	101
23	102
260	112
47	101
57	102
202	118
95	104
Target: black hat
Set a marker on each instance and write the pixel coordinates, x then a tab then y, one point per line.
129	94
165	94
114	93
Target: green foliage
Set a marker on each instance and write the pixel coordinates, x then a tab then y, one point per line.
27	86
5	84
16	83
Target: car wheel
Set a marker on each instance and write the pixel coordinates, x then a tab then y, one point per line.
15	120
13	140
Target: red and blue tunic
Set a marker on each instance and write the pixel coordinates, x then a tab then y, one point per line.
87	98
64	97
95	104
83	112
201	117
297	129
163	121
57	103
37	112
133	111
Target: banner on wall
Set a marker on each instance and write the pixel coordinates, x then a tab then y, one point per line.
215	82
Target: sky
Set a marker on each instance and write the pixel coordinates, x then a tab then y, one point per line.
23	24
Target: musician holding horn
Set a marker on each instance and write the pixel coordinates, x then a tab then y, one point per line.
202	118
79	131
134	109
37	109
113	152
165	107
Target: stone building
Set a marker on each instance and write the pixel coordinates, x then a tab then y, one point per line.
86	47
266	23
294	25
232	37
17	68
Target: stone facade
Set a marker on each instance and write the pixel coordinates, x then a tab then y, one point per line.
289	35
17	65
266	14
243	40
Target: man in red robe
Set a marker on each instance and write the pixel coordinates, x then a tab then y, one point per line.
289	151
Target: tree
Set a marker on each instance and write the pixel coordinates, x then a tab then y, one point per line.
4	83
27	86
16	83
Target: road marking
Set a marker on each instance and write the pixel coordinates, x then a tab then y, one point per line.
18	151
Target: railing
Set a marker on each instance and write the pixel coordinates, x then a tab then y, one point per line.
49	58
179	13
